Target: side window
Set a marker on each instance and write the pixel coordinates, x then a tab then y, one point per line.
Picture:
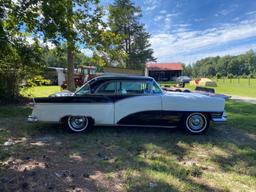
107	88
133	87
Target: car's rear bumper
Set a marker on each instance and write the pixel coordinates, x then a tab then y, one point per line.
223	118
32	118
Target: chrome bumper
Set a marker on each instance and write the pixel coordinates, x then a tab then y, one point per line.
32	118
223	118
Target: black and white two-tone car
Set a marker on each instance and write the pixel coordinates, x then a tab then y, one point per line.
129	101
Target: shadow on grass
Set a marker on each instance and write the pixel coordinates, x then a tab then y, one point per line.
126	158
139	159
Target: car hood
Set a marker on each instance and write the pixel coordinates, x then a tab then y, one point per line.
62	94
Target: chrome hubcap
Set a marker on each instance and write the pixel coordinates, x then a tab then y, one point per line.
196	122
78	123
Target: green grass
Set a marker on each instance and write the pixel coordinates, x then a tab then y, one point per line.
134	159
40	91
236	87
241	115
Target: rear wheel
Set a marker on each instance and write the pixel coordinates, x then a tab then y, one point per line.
196	123
78	123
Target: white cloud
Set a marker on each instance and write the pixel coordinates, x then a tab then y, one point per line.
198	19
251	13
163	11
168	47
226	51
150	8
158	18
223	12
151	4
166	21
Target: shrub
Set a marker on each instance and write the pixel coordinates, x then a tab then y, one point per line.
8	86
251	76
230	76
218	75
37	81
244	76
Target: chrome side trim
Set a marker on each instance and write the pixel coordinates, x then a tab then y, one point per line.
153	126
219	120
123	125
222	119
32	119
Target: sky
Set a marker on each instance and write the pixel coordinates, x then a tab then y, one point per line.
188	30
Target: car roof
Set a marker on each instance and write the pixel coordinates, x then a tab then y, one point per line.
122	77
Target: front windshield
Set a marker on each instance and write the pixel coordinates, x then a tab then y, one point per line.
156	88
85	89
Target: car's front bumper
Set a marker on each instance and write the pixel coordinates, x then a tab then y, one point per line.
32	118
223	118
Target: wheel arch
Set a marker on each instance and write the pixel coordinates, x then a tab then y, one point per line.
208	114
65	118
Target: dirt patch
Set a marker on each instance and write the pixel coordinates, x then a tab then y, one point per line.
47	158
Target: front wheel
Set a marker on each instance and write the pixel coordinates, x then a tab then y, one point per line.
78	123
196	123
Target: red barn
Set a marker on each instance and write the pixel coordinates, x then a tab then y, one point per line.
163	71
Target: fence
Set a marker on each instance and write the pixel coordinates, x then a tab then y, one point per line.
237	82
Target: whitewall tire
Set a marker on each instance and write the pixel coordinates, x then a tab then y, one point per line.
78	123
196	123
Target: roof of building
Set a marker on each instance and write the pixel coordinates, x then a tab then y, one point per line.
164	66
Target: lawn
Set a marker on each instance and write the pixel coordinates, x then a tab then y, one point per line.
41	157
236	87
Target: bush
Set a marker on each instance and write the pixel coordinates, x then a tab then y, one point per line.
37	81
244	76
251	76
218	75
9	86
230	76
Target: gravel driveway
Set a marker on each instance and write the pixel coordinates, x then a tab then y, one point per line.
244	99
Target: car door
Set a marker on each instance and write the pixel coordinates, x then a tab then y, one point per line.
136	104
103	110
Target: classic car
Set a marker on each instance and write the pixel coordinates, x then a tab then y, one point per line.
183	79
129	101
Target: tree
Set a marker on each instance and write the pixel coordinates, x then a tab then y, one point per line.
18	59
74	22
239	65
141	52
56	57
124	20
187	70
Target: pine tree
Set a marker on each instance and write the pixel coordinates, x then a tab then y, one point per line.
124	20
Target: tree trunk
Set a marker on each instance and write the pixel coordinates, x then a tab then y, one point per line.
70	59
70	47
